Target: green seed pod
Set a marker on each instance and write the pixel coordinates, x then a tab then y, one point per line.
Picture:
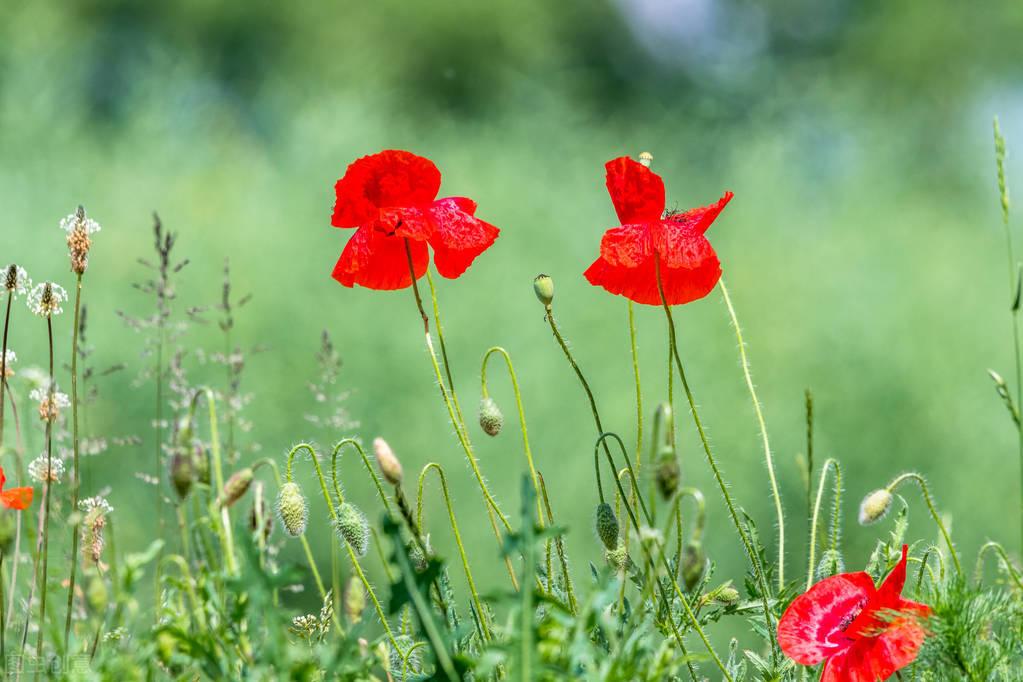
236	486
354	600
8	529
353	528
293	509
727	595
831	563
694	562
875	506
607	526
182	472
619	559
491	419
543	286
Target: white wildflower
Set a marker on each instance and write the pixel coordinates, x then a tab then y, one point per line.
78	220
46	298
16	280
40	471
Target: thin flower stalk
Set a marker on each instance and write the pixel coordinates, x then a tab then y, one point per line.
751	553
768	458
75	480
559	545
47	492
919	480
832	465
333	515
477	604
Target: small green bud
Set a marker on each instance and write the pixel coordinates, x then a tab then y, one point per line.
543	286
389	465
353	528
694	562
668	476
875	506
607	526
293	509
236	486
727	595
182	472
354	600
491	419
831	563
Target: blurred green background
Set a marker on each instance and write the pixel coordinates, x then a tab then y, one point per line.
864	248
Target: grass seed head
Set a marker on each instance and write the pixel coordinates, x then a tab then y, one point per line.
607	526
293	509
875	506
491	419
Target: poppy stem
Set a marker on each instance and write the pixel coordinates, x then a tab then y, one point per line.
768	458
828	464
919	480
1000	551
50	416
758	569
3	365
75	481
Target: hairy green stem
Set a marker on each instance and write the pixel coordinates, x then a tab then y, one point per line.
831	464
919	480
1000	551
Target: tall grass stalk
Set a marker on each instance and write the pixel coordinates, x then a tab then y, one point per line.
75	481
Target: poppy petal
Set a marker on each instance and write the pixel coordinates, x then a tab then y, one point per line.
811	629
376	260
877	658
636	191
700	219
16	498
458	235
3	478
413	223
391	178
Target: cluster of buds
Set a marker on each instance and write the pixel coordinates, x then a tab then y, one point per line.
46	299
95	510
15	280
50	403
78	228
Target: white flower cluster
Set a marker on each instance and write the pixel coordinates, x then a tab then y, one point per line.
15	279
39	470
95	504
75	220
46	298
41	394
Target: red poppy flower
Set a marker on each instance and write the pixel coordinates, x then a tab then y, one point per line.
864	634
629	253
15	498
391	198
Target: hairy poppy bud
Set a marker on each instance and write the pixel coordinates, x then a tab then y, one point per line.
353	600
727	595
491	419
830	564
619	559
182	472
353	528
389	465
694	562
236	486
293	509
543	286
607	526
667	472
875	506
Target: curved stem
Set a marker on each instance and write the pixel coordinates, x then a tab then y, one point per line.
458	539
828	464
919	480
75	482
768	458
639	387
333	515
369	467
522	417
444	348
758	570
1000	551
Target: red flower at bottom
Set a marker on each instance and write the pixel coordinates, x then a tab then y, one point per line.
864	633
15	498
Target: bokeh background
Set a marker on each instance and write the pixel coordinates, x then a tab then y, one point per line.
864	249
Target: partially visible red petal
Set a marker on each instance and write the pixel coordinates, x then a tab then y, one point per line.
877	658
413	223
3	478
16	498
391	178
681	246
458	236
888	598
700	219
375	260
811	629
636	191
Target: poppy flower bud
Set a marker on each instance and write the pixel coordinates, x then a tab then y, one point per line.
293	509
182	472
236	486
353	600
416	555
830	564
607	526
875	506
491	419
726	595
389	465
694	562
667	473
646	158
353	528
543	286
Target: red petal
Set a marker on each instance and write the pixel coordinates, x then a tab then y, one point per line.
391	178
888	599
458	236
700	219
3	478
413	223
636	191
375	260
877	658
16	498
811	628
